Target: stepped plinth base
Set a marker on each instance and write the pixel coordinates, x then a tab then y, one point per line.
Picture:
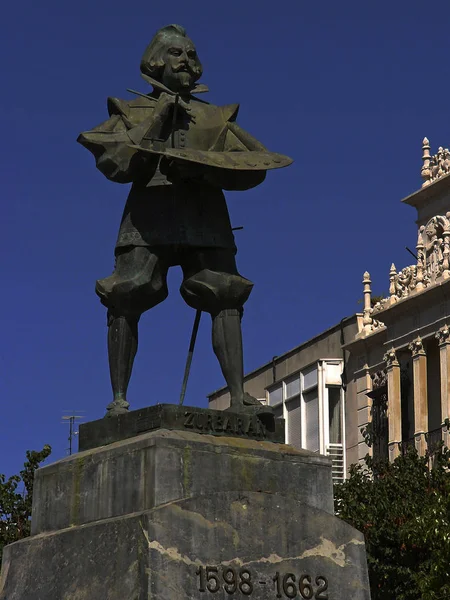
171	515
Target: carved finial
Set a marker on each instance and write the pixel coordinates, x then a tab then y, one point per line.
420	272
392	277
367	319
425	172
419	245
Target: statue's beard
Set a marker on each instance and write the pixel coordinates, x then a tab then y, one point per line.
183	78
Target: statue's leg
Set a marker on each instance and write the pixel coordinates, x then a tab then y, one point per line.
227	346
137	284
212	284
122	348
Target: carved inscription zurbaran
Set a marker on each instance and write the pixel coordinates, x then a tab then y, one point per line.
245	425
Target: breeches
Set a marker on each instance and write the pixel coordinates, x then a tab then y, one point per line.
211	282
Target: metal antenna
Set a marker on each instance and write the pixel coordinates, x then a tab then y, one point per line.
411	252
71	418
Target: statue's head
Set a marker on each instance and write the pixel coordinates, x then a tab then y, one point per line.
171	58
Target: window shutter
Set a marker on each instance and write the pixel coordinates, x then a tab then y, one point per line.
312	420
276	395
292	386
294	422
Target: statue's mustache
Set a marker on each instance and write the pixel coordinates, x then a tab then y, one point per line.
183	68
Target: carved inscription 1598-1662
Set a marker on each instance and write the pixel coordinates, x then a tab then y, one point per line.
285	585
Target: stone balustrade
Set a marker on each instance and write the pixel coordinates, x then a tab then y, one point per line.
432	267
436	166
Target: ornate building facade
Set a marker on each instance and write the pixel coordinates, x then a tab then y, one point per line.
402	351
385	371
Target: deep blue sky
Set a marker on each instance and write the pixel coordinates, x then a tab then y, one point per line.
348	89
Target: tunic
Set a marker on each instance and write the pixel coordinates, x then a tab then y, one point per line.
164	208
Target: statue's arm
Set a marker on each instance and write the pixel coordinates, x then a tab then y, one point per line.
110	143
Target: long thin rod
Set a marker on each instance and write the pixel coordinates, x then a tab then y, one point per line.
174	119
411	252
71	422
187	369
140	94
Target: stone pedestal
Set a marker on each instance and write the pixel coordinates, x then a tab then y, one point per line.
177	514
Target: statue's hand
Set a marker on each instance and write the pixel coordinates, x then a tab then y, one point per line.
165	102
151	128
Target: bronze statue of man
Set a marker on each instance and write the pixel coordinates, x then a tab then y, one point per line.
179	153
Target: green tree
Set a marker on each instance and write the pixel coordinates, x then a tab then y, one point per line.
16	497
403	509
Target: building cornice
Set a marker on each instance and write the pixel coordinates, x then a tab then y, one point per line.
411	303
420	197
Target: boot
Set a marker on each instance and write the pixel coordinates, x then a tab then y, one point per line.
227	345
122	348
